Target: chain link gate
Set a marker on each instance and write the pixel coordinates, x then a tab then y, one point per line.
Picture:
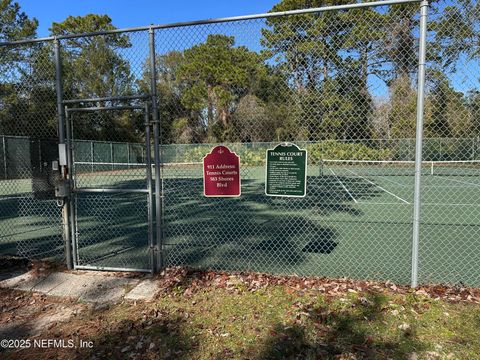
111	212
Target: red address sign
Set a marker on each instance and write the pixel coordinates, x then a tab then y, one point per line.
221	173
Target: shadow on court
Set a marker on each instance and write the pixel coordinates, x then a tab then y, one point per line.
30	228
112	230
254	231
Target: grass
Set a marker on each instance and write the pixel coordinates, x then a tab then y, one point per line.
230	318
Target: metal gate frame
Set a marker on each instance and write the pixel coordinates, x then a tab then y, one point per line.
71	200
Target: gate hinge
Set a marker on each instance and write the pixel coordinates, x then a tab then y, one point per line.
154	248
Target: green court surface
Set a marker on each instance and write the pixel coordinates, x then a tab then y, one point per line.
29	227
352	223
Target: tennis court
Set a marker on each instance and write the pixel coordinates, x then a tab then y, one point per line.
30	227
355	221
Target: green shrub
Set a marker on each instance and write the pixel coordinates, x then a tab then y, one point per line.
248	156
255	156
344	151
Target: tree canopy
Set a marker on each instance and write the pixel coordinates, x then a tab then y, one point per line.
342	75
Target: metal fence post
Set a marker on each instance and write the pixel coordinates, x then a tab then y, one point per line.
419	139
156	148
66	213
148	161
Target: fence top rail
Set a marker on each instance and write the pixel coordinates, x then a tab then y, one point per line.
216	20
111	98
104	108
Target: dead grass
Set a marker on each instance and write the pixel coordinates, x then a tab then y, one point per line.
207	315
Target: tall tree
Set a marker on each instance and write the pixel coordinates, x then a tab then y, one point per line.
328	57
93	67
449	110
457	32
306	45
14	23
399	44
215	75
473	105
402	116
15	65
176	125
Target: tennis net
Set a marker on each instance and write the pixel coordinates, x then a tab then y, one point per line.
398	168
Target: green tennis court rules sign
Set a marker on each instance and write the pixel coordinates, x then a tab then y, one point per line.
286	171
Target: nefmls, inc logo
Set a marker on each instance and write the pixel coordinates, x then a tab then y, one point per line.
54	343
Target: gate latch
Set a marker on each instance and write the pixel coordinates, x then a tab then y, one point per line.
62	189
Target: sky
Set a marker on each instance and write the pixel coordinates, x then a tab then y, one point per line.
132	13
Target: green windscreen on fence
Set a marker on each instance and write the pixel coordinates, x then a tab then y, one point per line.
137	153
83	151
120	153
102	152
17	157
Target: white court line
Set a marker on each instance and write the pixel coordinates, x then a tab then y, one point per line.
425	186
355	200
371	182
393	182
429	186
459	181
379	203
13	197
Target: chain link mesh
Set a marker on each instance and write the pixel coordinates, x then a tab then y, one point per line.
327	82
449	247
341	84
30	222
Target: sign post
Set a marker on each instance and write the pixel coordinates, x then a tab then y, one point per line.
221	173
286	171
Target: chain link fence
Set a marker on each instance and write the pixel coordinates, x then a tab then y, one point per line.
30	222
313	79
449	234
340	82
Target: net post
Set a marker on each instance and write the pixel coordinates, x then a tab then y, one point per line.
419	138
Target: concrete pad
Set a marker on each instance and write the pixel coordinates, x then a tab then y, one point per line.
51	282
146	290
73	287
24	281
96	288
106	289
